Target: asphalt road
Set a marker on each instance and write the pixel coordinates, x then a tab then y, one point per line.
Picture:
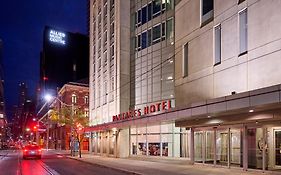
11	163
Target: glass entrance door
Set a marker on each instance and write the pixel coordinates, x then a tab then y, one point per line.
277	135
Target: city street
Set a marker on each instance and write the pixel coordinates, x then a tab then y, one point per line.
11	163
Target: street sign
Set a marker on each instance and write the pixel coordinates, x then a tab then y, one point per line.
42	130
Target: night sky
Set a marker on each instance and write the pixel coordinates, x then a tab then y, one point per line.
21	29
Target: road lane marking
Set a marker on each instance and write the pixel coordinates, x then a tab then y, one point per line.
48	169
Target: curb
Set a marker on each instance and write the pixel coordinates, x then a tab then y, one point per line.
104	166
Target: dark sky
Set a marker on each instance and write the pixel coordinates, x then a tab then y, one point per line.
21	29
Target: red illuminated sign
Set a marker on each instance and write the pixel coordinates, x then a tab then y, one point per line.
157	107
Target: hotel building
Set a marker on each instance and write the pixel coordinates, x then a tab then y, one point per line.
200	81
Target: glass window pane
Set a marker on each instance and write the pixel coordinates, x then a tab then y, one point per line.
170	4
243	31
143	40
170	30
149	10
207	6
153	129
156	34
185	60
217	44
139	17
144	15
163	30
149	37
156	7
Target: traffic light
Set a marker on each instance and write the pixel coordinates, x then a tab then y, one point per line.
34	128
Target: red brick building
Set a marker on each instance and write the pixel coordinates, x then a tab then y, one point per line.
78	95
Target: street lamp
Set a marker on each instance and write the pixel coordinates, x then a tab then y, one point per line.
48	98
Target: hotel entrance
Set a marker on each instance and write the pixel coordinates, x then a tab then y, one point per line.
218	146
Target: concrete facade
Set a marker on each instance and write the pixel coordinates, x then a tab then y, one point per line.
109	69
235	73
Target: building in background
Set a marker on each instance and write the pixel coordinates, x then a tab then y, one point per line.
3	118
64	58
76	93
23	115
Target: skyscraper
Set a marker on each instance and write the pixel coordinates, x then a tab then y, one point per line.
64	58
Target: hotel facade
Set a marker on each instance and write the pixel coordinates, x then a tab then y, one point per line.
193	79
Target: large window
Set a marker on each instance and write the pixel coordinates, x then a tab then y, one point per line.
149	39
156	7
144	15
156	33
144	40
217	44
149	12
156	140
170	30
185	60
243	32
207	11
170	4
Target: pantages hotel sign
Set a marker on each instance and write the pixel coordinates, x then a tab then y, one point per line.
157	107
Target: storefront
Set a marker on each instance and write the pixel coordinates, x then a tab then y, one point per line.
241	130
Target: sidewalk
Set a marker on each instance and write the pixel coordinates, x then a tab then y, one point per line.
147	167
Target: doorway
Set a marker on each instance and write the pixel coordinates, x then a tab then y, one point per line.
277	148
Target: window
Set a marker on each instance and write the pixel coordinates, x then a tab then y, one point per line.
243	32
111	52
156	7
99	63
139	18
73	98
144	15
170	4
112	88
139	42
163	5
217	44
156	33
149	37
105	58
105	38
98	93
163	31
207	11
149	12
170	30
86	99
86	113
105	92
143	40
240	1
111	4
185	60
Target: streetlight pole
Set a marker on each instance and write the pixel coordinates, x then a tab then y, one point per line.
48	99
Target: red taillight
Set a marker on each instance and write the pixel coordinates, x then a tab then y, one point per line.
40	150
25	150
